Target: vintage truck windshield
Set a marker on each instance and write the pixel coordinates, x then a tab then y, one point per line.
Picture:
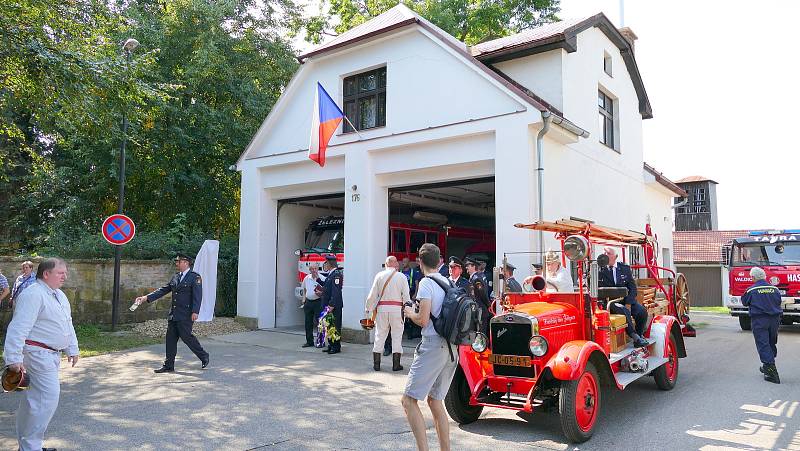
766	254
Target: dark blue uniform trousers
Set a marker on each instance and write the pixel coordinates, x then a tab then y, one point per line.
765	331
636	312
183	330
337	321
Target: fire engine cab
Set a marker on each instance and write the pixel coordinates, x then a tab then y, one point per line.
561	350
777	252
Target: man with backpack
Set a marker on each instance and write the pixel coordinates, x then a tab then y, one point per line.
433	367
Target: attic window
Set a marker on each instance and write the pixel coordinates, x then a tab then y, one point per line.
607	63
365	100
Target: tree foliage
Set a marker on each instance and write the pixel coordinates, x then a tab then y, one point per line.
195	91
470	21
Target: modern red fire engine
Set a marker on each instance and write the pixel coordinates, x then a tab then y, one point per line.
326	236
558	350
777	252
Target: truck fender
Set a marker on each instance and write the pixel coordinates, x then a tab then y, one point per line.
570	361
660	329
470	362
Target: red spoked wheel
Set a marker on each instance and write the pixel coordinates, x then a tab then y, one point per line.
666	375
579	405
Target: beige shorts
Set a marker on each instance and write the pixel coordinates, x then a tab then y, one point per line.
432	370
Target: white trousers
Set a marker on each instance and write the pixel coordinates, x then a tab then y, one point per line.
384	322
40	400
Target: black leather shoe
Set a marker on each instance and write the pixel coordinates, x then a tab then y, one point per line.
387	352
327	350
48	449
306	345
164	369
639	343
335	351
204	364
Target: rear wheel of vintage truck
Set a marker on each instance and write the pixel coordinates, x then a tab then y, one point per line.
457	400
666	375
579	405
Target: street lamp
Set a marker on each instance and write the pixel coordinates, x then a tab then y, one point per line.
128	47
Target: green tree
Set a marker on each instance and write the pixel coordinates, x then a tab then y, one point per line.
471	21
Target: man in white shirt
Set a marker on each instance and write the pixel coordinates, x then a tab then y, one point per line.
312	304
40	330
557	277
388	294
432	370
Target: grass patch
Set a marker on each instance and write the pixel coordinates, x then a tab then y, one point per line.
700	325
724	310
92	340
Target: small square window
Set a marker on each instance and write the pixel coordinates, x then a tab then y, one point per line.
607	64
365	100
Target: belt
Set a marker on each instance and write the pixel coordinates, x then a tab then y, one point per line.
41	345
396	303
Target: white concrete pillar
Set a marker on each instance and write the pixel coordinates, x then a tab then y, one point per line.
249	288
515	194
366	229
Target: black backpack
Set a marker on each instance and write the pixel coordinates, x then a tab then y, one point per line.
459	318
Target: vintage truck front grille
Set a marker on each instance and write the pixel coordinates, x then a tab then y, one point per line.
510	336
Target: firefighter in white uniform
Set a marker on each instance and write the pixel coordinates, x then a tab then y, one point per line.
388	294
40	330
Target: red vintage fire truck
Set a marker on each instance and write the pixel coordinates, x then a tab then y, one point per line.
325	236
777	252
557	350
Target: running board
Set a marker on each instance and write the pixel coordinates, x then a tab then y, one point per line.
626	351
624	378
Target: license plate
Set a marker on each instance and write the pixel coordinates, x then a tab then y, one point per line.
509	360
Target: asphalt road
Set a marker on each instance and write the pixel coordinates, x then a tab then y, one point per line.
264	392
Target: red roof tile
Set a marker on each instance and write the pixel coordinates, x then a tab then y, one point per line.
695	178
533	35
703	246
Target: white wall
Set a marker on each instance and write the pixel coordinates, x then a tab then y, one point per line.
541	73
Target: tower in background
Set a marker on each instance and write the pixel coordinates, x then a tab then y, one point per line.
698	211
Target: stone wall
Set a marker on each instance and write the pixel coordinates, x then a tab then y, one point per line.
90	284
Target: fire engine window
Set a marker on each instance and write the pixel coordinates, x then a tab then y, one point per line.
433	237
399	241
417	240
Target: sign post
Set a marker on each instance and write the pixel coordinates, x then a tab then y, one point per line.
118	230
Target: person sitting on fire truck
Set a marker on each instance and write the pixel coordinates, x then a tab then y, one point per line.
618	274
557	276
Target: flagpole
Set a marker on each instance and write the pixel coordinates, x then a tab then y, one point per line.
353	126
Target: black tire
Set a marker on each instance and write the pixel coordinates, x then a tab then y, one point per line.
578	431
666	375
457	400
744	322
787	321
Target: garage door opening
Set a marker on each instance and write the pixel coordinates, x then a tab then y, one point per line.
314	226
459	217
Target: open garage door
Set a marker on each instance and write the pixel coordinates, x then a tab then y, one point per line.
315	226
457	216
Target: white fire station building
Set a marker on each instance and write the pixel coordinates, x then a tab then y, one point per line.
450	130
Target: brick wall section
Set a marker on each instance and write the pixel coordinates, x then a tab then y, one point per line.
90	283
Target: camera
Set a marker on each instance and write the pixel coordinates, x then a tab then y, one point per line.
414	304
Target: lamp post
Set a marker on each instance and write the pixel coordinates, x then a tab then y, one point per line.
128	47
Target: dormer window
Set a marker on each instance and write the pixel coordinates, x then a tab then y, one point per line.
365	100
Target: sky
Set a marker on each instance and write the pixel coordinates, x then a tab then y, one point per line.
722	77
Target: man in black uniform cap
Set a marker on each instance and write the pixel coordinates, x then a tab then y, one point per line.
456	268
187	294
764	303
332	296
511	285
478	288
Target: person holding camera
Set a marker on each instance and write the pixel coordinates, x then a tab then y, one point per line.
432	369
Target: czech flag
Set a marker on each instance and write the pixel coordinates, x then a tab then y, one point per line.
325	120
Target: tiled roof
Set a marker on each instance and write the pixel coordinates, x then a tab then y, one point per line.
660	178
526	37
703	246
694	178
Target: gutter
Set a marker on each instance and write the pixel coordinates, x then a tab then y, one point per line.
547	117
569	126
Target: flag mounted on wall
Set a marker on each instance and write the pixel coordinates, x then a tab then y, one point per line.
325	119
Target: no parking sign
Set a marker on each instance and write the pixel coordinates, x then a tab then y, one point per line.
118	229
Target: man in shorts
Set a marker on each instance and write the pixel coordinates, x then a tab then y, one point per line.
432	370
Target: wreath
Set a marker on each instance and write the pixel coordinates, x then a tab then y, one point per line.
328	325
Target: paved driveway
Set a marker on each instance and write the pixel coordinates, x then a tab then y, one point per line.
264	392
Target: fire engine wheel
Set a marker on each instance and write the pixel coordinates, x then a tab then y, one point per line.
666	375
579	405
744	322
457	400
682	303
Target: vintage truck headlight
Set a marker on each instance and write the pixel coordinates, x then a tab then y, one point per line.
538	345
480	343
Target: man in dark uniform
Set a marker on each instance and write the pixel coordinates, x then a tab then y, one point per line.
618	274
512	286
478	288
764	302
414	276
443	269
187	294
456	268
332	296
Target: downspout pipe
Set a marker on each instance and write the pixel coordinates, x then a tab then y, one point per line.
546	119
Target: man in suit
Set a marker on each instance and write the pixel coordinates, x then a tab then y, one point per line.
512	285
618	274
443	269
478	288
187	294
332	297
